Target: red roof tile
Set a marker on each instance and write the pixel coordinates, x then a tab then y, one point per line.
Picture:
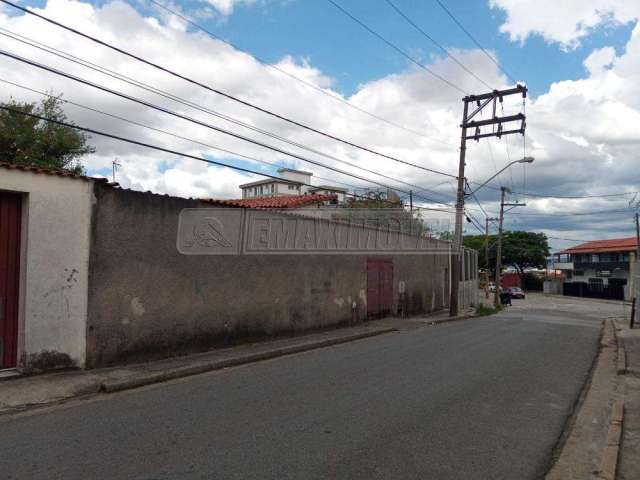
289	201
614	245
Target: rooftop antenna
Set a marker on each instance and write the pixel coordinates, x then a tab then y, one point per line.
114	168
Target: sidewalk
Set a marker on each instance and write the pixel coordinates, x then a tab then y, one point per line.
629	458
23	393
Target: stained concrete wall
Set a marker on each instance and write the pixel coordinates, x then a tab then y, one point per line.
54	267
145	297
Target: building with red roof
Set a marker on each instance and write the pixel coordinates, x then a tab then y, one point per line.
599	268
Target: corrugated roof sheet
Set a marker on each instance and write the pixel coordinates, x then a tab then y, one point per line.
628	244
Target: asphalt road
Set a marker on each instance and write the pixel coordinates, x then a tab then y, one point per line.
476	399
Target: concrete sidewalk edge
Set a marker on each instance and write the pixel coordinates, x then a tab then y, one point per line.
609	462
611	454
157	377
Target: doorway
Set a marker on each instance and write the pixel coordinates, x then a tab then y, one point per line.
10	224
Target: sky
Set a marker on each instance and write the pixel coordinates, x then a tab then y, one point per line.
310	62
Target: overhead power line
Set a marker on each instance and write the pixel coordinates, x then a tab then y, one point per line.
201	123
575	197
432	40
291	75
150	146
566	197
141	144
475	41
164	94
395	47
219	92
568	239
164	132
574	214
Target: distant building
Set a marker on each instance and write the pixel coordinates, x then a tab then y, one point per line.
294	182
338	192
600	268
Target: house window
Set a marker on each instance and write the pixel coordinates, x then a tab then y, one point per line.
292	187
608	257
623	257
595	258
568	274
273	188
596	281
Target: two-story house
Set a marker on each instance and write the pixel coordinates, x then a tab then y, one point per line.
600	268
293	183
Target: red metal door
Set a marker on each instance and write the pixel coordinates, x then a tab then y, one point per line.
379	287
10	219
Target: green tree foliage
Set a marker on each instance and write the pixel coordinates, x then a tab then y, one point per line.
28	141
520	250
382	209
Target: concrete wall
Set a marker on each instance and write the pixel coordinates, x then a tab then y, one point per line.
54	267
553	286
145	297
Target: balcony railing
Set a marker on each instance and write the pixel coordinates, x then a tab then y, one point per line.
601	266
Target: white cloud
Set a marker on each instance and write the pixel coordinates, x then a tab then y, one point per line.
566	21
599	60
225	7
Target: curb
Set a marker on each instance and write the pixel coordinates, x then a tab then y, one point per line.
609	462
452	319
151	378
621	364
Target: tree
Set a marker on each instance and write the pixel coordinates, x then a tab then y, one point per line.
29	141
520	249
381	209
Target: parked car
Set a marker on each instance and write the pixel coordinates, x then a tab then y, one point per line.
516	292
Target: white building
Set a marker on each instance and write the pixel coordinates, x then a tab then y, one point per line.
294	182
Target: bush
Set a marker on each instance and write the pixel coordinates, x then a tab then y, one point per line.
484	310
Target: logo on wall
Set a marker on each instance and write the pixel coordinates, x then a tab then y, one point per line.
210	233
239	231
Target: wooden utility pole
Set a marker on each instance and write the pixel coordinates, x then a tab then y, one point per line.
481	101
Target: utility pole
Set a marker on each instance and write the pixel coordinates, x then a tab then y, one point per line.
486	255
637	236
411	212
503	192
635	273
481	101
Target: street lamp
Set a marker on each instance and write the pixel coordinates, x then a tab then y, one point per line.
522	160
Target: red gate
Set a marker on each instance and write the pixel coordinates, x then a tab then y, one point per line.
10	220
379	287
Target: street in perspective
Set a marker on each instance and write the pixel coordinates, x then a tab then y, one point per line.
247	239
